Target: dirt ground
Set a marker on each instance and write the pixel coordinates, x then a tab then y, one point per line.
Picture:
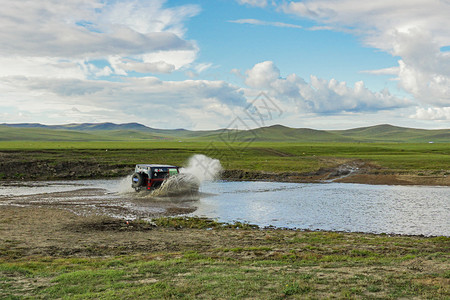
366	174
28	231
36	231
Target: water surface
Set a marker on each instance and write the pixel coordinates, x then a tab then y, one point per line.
418	210
415	210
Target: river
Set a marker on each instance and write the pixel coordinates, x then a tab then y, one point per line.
408	210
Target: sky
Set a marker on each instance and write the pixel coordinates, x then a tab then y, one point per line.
209	64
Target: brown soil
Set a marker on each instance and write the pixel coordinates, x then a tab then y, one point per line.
353	172
51	232
26	231
397	179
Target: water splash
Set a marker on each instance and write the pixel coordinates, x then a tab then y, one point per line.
124	186
200	168
181	184
203	167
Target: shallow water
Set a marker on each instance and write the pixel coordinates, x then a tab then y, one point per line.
416	210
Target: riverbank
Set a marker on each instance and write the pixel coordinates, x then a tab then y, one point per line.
91	164
48	253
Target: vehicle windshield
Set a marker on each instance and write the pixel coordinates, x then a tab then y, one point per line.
161	173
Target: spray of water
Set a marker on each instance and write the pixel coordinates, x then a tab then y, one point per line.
124	186
203	167
200	168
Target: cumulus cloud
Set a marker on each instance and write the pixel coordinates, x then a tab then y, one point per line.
262	75
413	30
432	113
320	95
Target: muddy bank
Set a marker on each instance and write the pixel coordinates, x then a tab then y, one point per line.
42	231
52	232
48	170
344	174
29	166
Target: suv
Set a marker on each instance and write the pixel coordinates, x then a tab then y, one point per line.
150	177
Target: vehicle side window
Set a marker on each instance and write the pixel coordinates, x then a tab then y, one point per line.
173	171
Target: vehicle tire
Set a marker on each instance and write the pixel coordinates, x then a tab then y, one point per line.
137	180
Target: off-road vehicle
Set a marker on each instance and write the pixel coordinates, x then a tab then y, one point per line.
150	177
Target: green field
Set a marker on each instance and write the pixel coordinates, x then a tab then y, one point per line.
259	156
232	263
271	149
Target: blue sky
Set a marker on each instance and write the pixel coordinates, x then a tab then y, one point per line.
199	64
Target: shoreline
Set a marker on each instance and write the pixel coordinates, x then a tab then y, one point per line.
364	177
315	165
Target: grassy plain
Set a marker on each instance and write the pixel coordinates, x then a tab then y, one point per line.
194	258
256	156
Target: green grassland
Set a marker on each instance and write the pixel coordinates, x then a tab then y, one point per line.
280	264
257	156
272	149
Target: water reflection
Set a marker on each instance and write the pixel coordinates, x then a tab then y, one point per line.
332	206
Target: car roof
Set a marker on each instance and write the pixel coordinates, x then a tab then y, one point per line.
155	166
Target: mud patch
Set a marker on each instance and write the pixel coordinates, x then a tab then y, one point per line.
102	224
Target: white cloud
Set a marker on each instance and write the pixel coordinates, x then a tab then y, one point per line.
320	95
413	30
148	16
142	67
80	30
257	3
432	113
265	23
262	75
385	71
42	66
202	67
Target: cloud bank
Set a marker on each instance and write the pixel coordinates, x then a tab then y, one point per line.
319	95
140	36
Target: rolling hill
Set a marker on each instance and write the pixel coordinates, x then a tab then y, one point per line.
275	133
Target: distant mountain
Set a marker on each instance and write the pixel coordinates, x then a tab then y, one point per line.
83	126
389	133
275	133
280	133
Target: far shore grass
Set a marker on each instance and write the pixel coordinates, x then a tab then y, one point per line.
254	156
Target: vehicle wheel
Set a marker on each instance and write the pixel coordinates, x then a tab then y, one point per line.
136	180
